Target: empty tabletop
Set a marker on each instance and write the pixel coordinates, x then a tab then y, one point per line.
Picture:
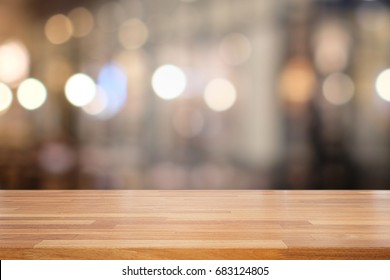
194	224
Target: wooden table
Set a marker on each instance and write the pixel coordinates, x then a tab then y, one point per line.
190	224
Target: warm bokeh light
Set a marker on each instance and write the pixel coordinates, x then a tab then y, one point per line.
31	94
82	21
331	47
220	95
297	80
338	89
6	97
133	33
382	85
14	62
169	82
235	49
58	29
80	89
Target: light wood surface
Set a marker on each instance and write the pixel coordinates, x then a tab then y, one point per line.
189	224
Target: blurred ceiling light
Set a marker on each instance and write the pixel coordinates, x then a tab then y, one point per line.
235	49
169	82
338	89
297	80
331	46
133	34
98	105
80	90
382	85
82	21
188	122
31	94
5	97
220	95
14	62
58	29
113	82
110	15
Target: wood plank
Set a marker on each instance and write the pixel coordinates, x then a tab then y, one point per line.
163	244
46	222
194	224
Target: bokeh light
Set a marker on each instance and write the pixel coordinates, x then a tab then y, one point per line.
235	49
14	62
169	82
382	85
297	80
338	88
133	33
331	47
220	95
82	21
98	104
31	94
113	82
6	97
80	89
58	29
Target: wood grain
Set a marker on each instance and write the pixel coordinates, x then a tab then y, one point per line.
252	224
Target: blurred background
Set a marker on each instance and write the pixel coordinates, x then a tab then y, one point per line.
194	94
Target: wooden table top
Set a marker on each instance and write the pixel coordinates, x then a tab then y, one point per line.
192	224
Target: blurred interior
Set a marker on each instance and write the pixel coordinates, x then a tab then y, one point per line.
194	94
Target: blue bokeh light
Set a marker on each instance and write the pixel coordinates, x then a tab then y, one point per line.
113	80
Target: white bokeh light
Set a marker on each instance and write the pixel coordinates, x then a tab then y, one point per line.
169	82
5	97
382	85
220	95
31	94
80	90
15	62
